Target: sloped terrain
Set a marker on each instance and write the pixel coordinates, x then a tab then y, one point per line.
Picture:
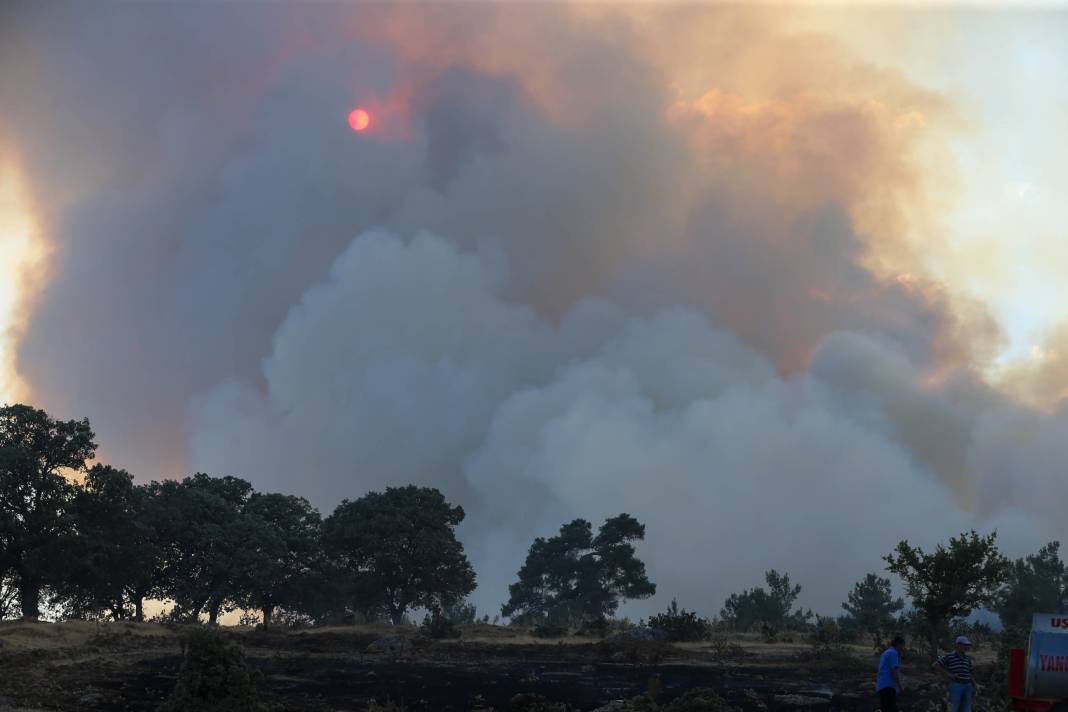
111	667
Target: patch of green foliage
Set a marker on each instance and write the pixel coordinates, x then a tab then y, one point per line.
770	610
680	624
437	626
577	576
949	583
214	677
871	609
1033	584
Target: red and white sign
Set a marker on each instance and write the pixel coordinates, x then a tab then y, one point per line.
1053	663
1050	623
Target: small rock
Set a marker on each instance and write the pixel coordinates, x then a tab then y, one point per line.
90	699
390	644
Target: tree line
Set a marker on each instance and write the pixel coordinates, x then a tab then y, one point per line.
88	542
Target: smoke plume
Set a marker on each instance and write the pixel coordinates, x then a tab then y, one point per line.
586	261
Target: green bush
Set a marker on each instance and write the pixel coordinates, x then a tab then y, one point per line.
549	631
437	626
593	628
680	624
214	677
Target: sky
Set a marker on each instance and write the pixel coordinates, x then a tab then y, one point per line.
784	282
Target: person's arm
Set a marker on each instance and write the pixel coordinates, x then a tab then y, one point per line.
940	663
896	673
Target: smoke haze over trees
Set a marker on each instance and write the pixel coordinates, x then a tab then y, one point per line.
564	279
89	543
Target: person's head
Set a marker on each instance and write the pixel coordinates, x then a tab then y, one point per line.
962	644
898	643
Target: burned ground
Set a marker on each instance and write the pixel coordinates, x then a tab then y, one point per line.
111	667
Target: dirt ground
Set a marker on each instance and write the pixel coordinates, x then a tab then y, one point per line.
125	666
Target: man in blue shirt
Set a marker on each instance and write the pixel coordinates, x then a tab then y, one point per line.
888	679
958	666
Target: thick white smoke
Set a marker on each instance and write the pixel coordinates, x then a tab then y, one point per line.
407	365
596	260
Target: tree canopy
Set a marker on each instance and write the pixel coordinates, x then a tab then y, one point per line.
871	607
35	451
773	606
400	550
1037	583
116	562
576	576
952	581
281	552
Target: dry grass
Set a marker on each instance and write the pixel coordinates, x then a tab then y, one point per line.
22	635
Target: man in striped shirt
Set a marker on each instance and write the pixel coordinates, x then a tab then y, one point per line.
958	666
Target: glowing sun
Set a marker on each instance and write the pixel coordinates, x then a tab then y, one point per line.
359	119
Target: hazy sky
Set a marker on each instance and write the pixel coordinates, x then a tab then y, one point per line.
783	282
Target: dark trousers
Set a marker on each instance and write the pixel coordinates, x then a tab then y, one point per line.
888	699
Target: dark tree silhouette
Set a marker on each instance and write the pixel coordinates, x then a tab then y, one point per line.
280	554
1034	584
870	607
116	562
575	576
199	525
35	497
399	550
773	606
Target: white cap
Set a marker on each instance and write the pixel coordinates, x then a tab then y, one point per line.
961	640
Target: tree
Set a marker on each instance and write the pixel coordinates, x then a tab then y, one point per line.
281	549
1034	584
35	450
950	583
399	550
577	577
773	607
117	562
871	607
199	525
9	607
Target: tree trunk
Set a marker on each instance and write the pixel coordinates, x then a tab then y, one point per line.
267	611
213	612
139	608
30	599
396	614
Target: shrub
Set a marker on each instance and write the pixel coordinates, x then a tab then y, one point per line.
595	628
680	624
462	613
826	633
547	630
214	677
438	627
